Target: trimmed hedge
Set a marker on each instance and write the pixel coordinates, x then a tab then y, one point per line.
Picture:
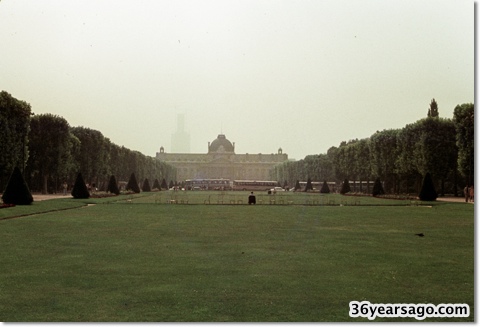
345	187
377	188
133	184
80	190
146	186
325	188
428	193
17	191
113	186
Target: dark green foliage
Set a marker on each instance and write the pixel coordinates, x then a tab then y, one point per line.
113	186
133	184
377	188
433	110
297	185
164	184
345	187
325	188
170	185
146	186
428	193
156	185
50	149
17	191
80	190
14	128
309	186
464	121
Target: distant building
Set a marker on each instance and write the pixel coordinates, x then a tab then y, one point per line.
181	139
221	162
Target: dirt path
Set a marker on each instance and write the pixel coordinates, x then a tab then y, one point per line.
452	199
42	197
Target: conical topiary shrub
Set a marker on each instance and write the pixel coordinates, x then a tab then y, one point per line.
377	188
325	188
308	186
345	187
113	186
133	184
80	190
164	184
156	185
146	186
17	191
428	193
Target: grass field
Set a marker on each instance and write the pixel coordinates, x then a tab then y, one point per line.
136	258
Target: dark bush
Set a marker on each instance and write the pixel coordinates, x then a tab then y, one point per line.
428	193
80	190
17	191
377	188
156	185
325	188
146	186
164	184
133	184
113	186
309	186
345	187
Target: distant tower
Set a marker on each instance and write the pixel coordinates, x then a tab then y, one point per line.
180	139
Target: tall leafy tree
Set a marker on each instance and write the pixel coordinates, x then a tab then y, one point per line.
93	157
438	149
433	110
14	128
384	152
50	147
464	119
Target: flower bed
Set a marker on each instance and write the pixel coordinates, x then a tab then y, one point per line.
385	196
6	205
100	195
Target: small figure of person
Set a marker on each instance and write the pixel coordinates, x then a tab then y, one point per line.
252	199
466	192
64	186
471	193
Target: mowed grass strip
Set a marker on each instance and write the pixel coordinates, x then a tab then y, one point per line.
148	262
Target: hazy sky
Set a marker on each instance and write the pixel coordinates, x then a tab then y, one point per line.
301	75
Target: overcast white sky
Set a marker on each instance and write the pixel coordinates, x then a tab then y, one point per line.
301	75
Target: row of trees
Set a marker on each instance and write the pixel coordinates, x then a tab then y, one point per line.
399	157
50	151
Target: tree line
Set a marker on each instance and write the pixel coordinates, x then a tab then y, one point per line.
50	152
401	157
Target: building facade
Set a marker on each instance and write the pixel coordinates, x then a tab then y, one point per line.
221	161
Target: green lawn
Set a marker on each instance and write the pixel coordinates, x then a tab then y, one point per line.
137	260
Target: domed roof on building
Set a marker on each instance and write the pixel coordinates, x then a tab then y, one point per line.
221	144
